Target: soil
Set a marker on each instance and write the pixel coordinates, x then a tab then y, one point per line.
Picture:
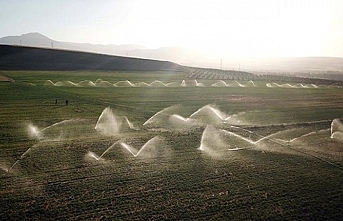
5	79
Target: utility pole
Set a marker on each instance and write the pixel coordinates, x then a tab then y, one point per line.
221	64
52	44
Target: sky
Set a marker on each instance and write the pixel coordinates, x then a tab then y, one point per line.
247	28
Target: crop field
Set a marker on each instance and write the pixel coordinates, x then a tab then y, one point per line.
169	145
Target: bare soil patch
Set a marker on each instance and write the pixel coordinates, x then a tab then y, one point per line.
3	78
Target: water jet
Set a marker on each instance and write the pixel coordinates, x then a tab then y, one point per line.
108	124
150	144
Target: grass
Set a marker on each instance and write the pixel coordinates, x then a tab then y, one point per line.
54	180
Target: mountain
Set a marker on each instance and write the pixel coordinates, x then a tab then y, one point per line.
188	57
38	40
30	39
175	54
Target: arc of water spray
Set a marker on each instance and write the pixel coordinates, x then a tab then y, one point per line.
126	81
253	84
55	124
221	81
17	161
239	84
150	119
215	111
249	140
183	83
37	133
199	84
130	124
203	146
180	117
157	81
131	84
130	148
238	148
101	116
239	136
261	137
159	112
288	146
108	149
304	135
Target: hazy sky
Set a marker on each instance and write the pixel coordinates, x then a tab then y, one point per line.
227	27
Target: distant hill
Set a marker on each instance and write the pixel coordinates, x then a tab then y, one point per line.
30	39
175	54
30	58
38	40
188	57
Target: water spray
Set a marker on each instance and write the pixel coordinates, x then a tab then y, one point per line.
161	112
17	161
107	123
288	146
108	149
136	153
183	83
210	109
130	124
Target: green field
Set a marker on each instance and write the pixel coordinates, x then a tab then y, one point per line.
241	153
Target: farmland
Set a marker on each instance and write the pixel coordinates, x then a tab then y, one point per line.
160	145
